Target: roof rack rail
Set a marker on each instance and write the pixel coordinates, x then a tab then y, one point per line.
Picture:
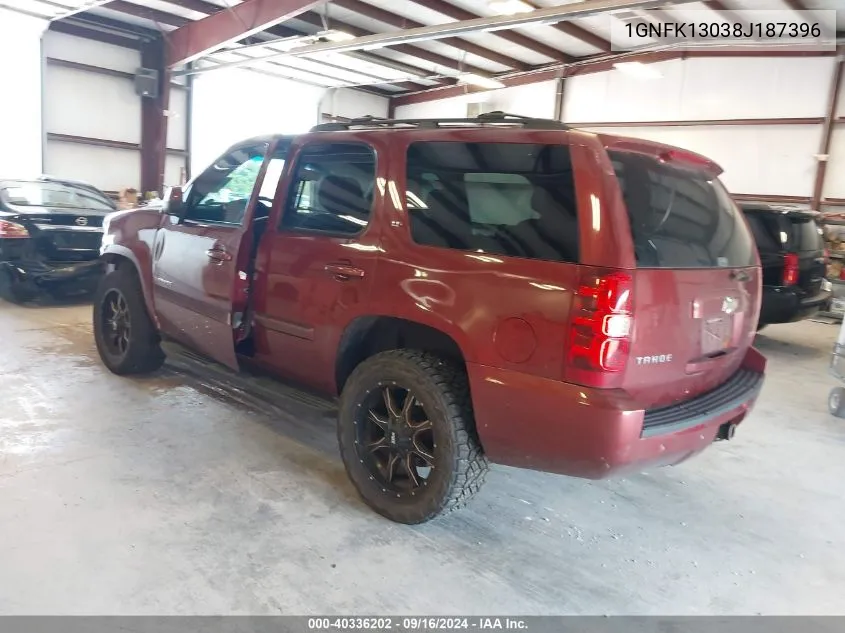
488	118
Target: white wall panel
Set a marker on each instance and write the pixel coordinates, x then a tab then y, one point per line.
537	100
173	170
83	103
177	119
704	89
443	108
20	69
757	159
353	104
233	104
104	167
84	51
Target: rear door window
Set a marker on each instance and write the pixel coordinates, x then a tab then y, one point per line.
514	199
680	218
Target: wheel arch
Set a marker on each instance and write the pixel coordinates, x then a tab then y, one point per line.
117	256
365	336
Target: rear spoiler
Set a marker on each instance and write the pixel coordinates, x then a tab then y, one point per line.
668	154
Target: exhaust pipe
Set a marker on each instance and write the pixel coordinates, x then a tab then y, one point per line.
726	431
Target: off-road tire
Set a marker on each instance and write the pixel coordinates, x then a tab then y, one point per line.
143	354
442	388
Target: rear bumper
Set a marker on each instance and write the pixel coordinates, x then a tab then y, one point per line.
788	304
47	274
542	424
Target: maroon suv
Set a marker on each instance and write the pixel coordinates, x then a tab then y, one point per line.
497	289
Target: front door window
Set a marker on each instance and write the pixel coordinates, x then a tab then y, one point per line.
222	193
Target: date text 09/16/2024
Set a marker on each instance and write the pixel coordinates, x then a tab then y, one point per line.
417	624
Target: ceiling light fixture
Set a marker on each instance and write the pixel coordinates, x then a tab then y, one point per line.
638	70
335	36
480	81
510	7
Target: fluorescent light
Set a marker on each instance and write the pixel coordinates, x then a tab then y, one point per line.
638	70
510	7
336	36
481	81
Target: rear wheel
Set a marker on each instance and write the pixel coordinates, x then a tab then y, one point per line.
407	435
836	402
126	338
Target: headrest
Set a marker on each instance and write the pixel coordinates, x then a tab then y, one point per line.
341	195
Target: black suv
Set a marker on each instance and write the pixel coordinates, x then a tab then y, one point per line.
792	254
50	235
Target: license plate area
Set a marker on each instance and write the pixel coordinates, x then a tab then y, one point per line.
716	334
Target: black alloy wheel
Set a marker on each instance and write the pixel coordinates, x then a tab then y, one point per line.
407	436
396	440
117	322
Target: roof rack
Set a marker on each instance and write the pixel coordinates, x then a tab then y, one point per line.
488	118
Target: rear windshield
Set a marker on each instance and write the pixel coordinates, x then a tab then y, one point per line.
514	199
776	232
50	194
805	235
680	218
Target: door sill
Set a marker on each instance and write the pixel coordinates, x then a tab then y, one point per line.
251	386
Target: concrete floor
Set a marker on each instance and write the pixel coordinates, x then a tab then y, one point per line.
162	496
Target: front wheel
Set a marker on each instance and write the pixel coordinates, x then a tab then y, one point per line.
126	338
407	435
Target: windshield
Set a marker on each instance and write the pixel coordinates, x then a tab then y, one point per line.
50	194
680	218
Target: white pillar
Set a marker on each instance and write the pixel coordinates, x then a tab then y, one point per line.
20	105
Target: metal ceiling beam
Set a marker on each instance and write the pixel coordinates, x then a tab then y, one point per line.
457	13
201	37
405	49
140	11
282	31
579	33
796	5
550	15
386	17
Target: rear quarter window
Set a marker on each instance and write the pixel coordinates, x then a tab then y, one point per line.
680	218
513	199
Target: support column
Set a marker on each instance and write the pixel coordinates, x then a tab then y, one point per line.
154	119
827	132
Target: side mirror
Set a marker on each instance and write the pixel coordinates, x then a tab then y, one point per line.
174	202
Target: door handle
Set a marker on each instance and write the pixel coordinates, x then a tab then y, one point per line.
740	275
344	271
218	255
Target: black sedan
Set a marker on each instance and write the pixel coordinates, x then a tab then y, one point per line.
792	255
50	234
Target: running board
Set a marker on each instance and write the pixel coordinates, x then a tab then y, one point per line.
254	390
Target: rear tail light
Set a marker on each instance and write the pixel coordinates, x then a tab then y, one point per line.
12	230
790	269
600	328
